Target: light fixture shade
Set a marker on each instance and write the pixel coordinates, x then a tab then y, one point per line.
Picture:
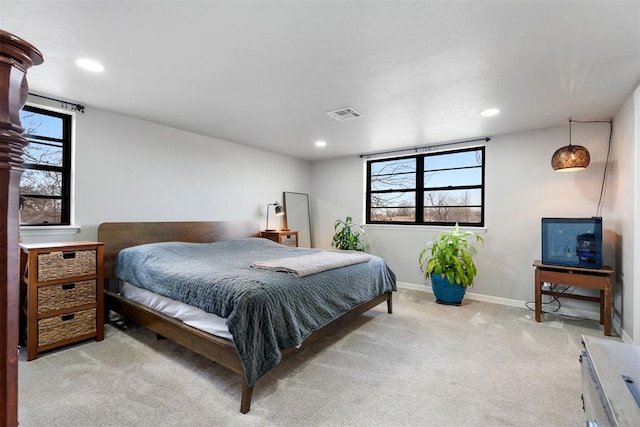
570	158
279	210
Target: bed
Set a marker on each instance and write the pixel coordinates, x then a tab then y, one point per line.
246	295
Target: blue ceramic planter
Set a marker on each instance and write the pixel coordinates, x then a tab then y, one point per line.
445	292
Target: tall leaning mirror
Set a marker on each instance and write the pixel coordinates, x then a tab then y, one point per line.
297	217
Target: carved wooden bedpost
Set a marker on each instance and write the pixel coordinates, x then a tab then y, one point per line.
16	57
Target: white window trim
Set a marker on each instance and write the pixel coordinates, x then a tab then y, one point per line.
424	228
49	230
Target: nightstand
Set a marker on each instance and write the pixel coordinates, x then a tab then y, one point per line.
61	294
284	237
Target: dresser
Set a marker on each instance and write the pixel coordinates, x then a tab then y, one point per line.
61	294
610	382
284	237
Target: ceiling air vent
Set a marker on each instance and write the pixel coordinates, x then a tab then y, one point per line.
343	114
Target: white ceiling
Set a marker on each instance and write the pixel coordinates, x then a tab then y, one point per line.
264	73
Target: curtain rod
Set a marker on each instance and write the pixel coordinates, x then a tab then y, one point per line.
421	148
64	104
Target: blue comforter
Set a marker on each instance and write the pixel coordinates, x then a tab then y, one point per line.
266	311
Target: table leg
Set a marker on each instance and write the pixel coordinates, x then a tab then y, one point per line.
538	292
607	306
602	304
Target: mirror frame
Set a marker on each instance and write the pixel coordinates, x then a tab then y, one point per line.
302	232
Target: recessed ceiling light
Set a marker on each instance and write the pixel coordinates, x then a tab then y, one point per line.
89	64
490	112
321	143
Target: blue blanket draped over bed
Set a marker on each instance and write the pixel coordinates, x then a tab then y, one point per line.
266	311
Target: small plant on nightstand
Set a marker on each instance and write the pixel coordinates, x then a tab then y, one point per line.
347	235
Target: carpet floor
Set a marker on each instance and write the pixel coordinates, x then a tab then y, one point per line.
479	364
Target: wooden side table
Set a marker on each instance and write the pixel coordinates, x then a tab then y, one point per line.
575	276
284	237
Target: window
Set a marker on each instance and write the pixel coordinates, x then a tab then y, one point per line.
440	188
46	181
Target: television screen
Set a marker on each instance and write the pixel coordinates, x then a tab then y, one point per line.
572	242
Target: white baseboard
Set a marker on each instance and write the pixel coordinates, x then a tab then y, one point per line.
586	314
625	337
593	315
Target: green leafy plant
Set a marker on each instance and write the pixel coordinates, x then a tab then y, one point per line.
450	254
347	235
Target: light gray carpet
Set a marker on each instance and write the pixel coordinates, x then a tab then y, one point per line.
480	364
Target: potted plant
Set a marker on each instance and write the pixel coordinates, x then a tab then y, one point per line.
347	235
448	261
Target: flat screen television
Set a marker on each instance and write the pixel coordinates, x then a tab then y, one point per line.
572	242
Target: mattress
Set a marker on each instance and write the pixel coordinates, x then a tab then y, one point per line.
192	316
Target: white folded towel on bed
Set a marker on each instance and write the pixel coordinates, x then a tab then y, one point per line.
317	262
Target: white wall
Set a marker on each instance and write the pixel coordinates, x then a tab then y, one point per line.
636	220
133	170
521	188
622	210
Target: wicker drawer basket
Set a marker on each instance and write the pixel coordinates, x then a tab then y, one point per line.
289	240
61	265
60	328
59	297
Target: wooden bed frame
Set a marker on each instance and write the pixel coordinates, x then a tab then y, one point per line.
117	236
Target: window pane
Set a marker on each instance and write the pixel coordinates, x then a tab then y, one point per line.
40	211
393	174
452	214
395	199
453	198
394	214
46	183
453	177
41	124
396	206
453	160
43	154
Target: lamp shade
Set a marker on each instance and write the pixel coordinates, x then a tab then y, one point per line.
570	158
279	210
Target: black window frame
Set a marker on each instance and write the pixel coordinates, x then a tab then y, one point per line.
420	189
64	170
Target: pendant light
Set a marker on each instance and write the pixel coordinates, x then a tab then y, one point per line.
570	158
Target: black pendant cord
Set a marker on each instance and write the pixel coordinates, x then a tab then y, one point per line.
570	120
606	164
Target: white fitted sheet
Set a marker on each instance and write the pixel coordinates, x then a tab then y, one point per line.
189	315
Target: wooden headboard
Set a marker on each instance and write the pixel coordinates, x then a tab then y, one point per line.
119	235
